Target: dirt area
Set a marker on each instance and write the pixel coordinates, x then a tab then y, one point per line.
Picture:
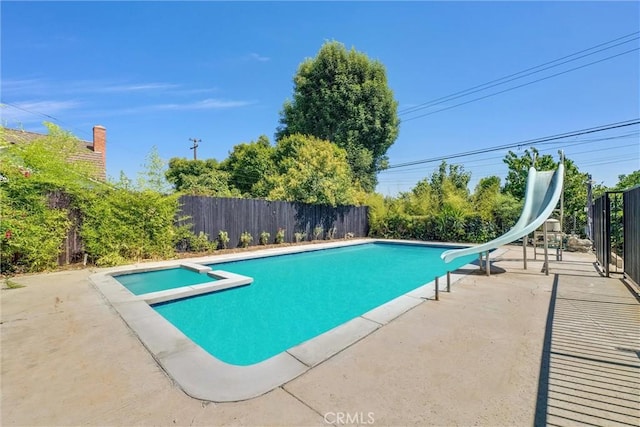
472	358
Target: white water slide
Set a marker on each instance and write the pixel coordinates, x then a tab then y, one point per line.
541	197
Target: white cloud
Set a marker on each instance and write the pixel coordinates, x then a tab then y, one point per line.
195	91
206	104
22	86
135	87
257	57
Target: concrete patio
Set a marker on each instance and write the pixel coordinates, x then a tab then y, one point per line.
515	348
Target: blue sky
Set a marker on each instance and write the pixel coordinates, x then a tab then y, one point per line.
159	73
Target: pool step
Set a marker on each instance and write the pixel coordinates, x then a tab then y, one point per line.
198	268
225	280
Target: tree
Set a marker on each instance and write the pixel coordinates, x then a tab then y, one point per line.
199	177
575	191
310	170
485	197
247	164
421	200
502	209
626	182
153	175
450	185
519	169
343	97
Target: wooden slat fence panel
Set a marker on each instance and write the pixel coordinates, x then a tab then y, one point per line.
235	216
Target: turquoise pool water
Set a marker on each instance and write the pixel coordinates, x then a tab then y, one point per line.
161	280
296	297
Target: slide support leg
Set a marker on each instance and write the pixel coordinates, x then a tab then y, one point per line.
524	250
487	264
546	248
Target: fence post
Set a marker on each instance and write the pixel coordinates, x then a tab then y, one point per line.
448	281
437	296
607	234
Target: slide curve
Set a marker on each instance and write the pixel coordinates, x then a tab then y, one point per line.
541	197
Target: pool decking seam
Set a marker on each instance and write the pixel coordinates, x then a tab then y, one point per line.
283	387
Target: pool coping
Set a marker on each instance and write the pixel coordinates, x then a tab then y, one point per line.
201	375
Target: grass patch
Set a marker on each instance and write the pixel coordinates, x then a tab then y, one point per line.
10	284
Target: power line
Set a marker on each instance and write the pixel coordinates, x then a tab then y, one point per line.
563	146
494	168
494	83
522	143
45	116
521	85
29	111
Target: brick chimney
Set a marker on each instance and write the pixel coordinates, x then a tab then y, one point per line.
100	141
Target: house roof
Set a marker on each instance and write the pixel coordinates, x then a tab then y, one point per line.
86	153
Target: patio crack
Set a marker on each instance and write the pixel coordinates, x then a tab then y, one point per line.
306	404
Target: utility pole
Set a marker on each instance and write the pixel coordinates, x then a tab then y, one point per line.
195	147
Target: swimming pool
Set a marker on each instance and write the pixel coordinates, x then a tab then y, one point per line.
296	297
233	375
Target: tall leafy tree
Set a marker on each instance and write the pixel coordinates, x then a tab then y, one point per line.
342	96
200	177
310	170
516	180
626	182
248	164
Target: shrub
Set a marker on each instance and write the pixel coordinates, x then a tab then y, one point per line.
264	237
223	239
280	235
300	236
116	224
187	241
120	225
31	234
331	233
317	232
245	239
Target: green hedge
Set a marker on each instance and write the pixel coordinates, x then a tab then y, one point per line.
444	227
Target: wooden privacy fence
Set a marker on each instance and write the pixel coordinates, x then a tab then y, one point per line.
235	216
